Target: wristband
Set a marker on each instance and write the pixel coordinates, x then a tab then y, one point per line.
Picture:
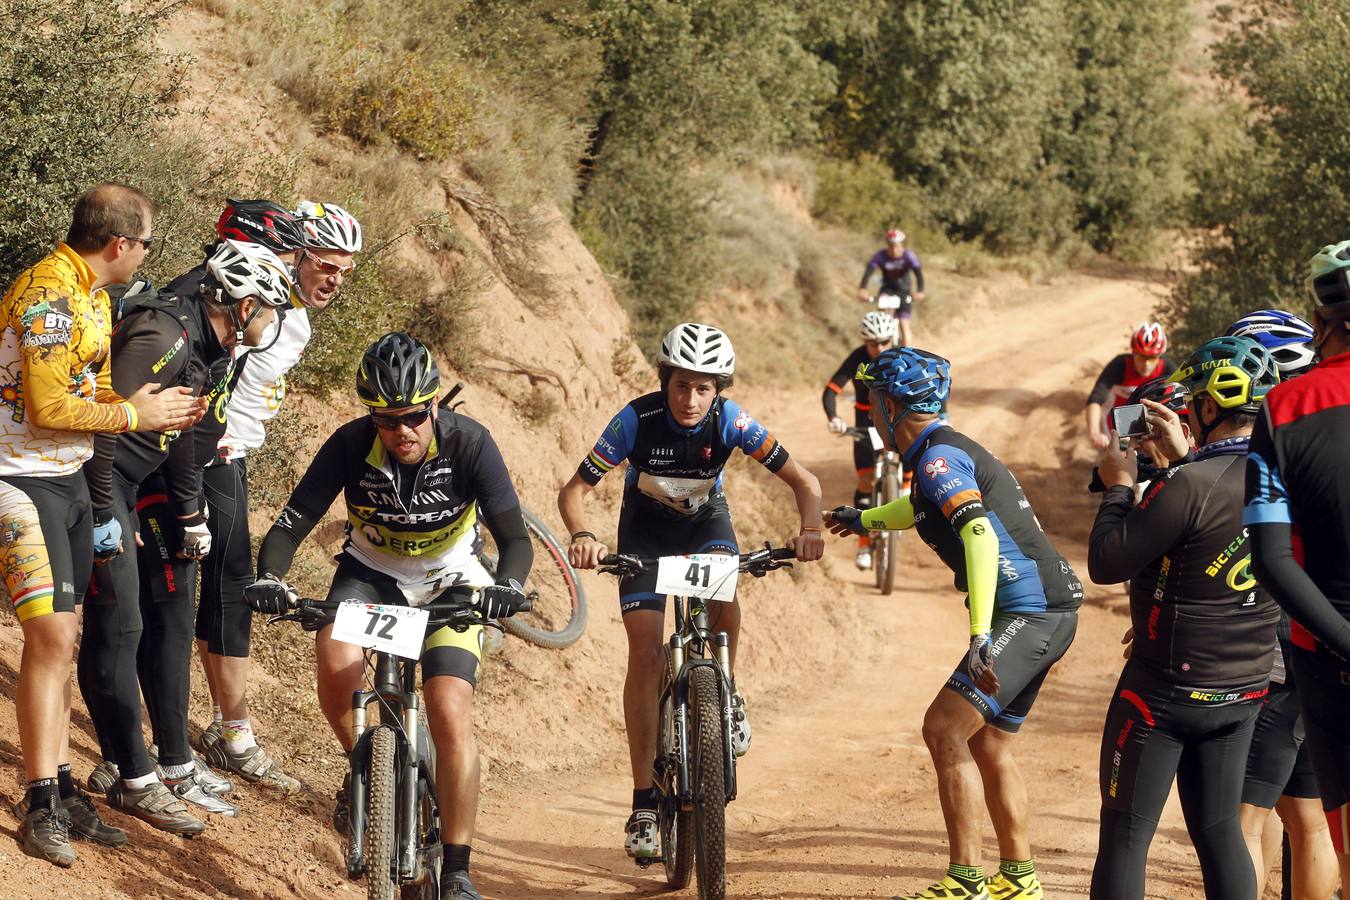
812	528
583	534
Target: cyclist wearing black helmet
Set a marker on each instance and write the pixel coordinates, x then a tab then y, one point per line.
417	480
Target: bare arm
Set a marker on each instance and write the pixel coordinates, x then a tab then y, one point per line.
1093	417
585	552
808	544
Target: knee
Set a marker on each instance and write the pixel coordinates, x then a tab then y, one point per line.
335	661
450	716
49	641
646	660
938	731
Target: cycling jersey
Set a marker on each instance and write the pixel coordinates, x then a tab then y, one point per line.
1186	555
54	378
895	271
261	383
671	467
957	481
220	373
1298	502
848	370
1119	379
420	540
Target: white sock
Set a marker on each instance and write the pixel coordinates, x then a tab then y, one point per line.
216	715
175	773
143	781
237	735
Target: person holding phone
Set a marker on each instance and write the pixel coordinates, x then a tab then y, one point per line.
1203	632
1122	375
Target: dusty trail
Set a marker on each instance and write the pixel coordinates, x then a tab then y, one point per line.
837	797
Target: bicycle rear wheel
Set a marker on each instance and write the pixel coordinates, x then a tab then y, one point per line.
887	558
710	807
558	618
677	824
380	839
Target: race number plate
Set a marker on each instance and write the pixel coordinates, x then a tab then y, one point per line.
876	439
399	630
711	576
888	301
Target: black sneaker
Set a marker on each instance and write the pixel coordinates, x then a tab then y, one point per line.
342	805
84	823
43	834
158	806
458	884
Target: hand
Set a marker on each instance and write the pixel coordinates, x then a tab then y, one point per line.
863	295
844	520
809	546
837	425
196	541
980	662
107	537
173	409
501	601
1166	430
586	553
1119	467
917	296
270	595
1128	641
1100	439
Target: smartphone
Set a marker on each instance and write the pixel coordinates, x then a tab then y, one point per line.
1129	420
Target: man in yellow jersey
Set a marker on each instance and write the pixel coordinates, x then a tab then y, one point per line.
55	390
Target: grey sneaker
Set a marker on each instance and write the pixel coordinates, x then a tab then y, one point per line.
209	780
254	766
43	833
157	805
82	821
104	776
192	790
210	735
458	884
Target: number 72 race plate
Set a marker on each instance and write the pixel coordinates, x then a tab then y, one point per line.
399	630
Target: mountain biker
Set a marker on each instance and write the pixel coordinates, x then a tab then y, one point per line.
320	240
417	481
676	442
55	327
1298	512
138	615
898	266
1279	766
1023	600
878	331
1124	373
1203	634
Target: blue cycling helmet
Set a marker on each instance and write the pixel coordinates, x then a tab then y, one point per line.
1288	338
917	380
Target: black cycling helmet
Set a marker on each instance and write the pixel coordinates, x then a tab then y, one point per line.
1160	390
397	371
261	222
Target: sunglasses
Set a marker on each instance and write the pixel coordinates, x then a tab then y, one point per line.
329	268
393	423
146	242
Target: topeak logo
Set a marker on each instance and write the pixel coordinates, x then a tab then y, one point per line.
936	467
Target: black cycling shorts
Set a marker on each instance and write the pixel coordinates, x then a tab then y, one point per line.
864	455
648	531
444	652
1026	645
1279	763
1324	692
46	542
224	620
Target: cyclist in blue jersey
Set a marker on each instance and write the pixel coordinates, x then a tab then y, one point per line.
1023	599
899	267
676	442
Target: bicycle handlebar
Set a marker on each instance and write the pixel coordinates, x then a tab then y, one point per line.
757	562
453	607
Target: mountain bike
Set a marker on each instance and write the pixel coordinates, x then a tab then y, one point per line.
695	767
885	488
394	831
558	616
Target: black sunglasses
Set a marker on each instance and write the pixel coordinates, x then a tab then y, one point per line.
392	423
145	242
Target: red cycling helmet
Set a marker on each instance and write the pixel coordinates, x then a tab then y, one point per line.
895	236
1149	340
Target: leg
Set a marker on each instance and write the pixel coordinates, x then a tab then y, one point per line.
224	624
42	699
1209	783
1312	855
1324	695
338	670
450	716
1262	833
641	686
947	729
1005	793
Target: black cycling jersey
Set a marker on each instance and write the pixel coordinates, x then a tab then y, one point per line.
221	374
1298	502
463	474
848	371
1200	619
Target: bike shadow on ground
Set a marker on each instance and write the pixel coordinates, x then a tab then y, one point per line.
507	867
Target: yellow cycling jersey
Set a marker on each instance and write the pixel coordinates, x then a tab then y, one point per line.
55	379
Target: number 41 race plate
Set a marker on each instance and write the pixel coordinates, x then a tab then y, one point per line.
711	576
399	630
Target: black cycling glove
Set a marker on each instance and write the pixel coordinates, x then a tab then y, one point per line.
270	595
501	601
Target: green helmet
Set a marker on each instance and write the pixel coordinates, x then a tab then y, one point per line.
1329	279
1236	372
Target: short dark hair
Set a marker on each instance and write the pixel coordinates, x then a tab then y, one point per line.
103	212
665	372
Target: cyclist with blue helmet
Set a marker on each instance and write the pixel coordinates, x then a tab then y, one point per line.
1023	599
1288	337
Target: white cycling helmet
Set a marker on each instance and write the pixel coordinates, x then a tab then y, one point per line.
698	348
249	270
327	226
1288	337
878	326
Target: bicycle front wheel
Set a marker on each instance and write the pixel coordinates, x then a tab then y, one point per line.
558	618
380	839
710	808
677	824
887	554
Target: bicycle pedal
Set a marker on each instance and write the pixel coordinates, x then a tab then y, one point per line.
648	862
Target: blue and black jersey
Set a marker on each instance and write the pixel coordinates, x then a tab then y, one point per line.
956	480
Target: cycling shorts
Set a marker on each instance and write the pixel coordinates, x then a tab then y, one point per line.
458	654
224	620
649	532
1323	683
1026	645
46	542
1279	763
